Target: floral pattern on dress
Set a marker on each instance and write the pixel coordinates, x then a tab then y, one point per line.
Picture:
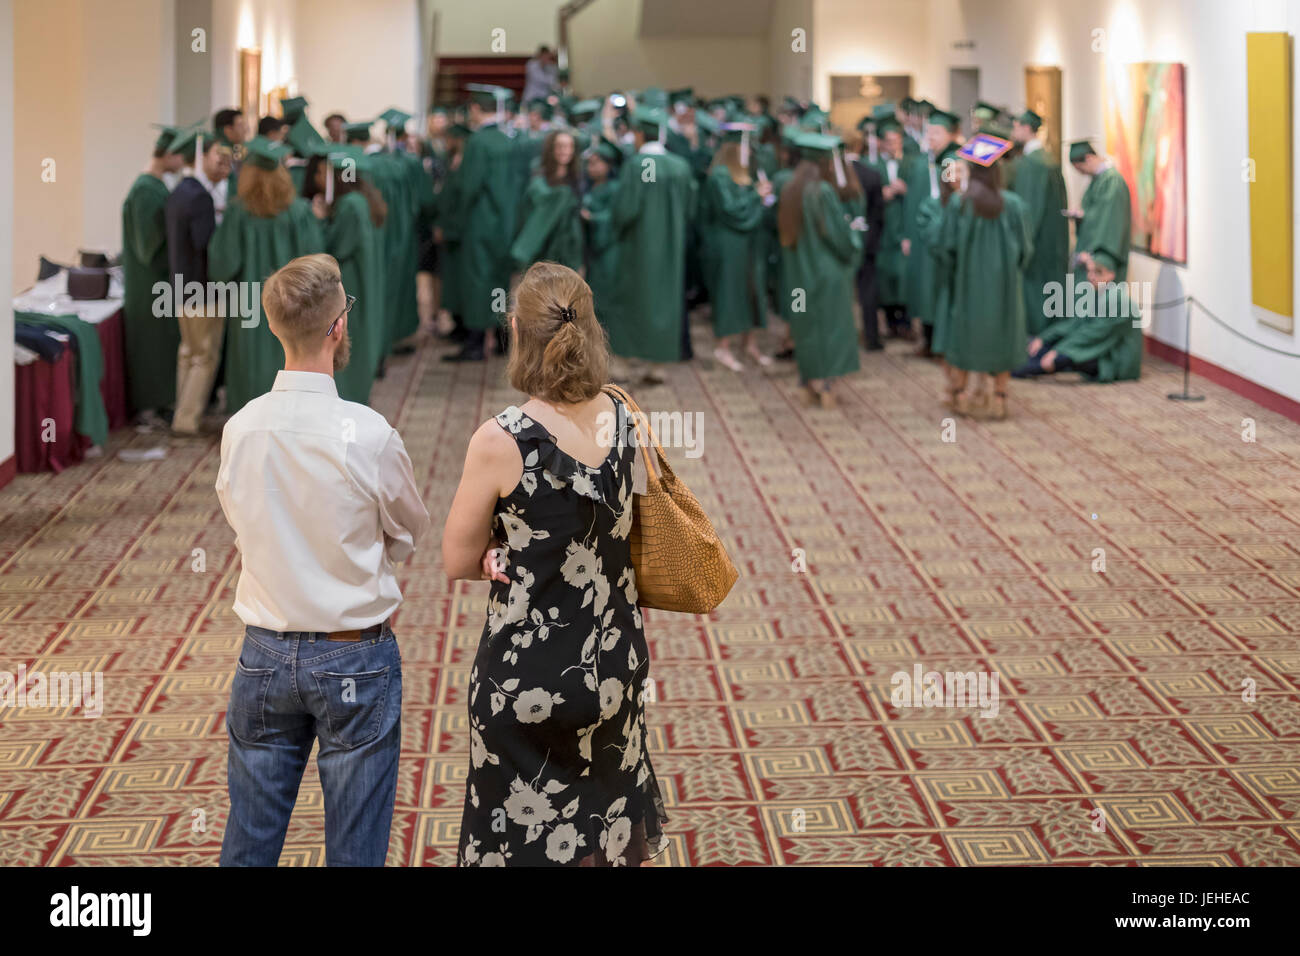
559	774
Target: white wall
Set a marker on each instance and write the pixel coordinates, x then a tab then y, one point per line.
610	54
790	73
128	58
464	27
870	36
357	59
1206	35
6	228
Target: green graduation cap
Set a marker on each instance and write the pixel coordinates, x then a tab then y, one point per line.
653	96
814	119
985	111
264	154
302	136
489	96
984	149
165	136
889	125
883	111
395	118
1081	150
925	107
908	104
607	150
681	99
357	132
706	121
817	142
1030	119
584	109
651	120
292	108
949	121
996	129
185	140
542	106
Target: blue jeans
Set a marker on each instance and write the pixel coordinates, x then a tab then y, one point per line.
291	689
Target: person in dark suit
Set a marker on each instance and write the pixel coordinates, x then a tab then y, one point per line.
191	218
868	298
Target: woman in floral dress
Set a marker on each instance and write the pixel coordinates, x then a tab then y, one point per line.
559	774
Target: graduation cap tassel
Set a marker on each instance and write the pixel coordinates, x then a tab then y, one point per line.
744	150
839	169
662	132
198	150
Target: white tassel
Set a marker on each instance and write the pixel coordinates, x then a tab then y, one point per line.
744	150
329	181
839	169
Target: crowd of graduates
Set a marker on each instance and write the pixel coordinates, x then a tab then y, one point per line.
663	202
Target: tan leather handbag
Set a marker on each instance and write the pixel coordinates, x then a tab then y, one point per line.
679	560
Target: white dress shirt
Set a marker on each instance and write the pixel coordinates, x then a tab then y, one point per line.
323	502
217	191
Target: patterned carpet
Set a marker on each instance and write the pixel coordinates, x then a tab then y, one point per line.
1122	735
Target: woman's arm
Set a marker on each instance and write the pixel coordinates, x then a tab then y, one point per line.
493	467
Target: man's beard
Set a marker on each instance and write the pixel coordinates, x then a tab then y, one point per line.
343	353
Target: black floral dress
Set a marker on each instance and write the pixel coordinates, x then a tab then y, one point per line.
559	774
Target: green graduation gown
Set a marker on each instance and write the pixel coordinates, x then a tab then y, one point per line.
922	179
91	416
822	263
602	250
733	253
933	218
489	197
652	210
782	291
446	215
248	248
398	176
889	260
150	342
986	325
550	227
1114	340
352	239
1040	185
1107	223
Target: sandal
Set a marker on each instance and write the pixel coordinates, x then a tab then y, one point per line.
724	357
998	407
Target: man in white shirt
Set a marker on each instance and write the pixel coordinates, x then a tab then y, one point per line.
323	501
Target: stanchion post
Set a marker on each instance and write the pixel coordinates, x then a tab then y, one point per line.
1185	395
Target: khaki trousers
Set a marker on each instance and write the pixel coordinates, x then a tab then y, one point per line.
196	367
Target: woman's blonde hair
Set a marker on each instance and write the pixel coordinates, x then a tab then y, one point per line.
728	155
265	192
558	351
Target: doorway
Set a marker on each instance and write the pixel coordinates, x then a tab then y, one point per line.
963	93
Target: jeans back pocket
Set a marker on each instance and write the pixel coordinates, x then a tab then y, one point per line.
246	715
354	704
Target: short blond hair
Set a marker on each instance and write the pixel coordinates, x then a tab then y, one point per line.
298	300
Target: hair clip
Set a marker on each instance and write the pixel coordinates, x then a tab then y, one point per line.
568	313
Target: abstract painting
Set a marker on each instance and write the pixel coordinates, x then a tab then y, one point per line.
1146	138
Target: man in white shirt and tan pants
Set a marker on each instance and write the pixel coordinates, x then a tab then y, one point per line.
323	501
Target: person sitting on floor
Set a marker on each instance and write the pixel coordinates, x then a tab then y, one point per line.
1105	344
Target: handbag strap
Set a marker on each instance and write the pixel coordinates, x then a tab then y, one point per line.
638	416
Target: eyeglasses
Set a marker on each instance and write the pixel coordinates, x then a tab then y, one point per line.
351	301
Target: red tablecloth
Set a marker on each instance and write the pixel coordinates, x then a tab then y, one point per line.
113	385
45	408
45	390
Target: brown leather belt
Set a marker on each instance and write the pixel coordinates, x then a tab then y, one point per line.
373	631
